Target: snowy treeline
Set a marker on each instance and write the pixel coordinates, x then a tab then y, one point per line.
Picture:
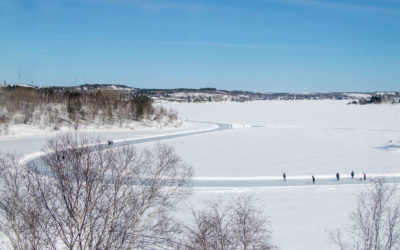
51	107
392	98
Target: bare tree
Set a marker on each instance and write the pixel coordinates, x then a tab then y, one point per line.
89	196
236	225
375	221
22	222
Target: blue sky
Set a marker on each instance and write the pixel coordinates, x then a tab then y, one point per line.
257	45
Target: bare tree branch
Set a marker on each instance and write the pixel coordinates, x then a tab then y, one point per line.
87	196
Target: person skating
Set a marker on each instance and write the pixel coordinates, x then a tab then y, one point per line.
313	179
352	174
284	176
337	176
365	176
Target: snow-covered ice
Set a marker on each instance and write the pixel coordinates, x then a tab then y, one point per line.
296	137
267	138
299	138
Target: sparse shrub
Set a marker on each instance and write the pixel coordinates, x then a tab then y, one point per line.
172	115
159	112
3	128
4	117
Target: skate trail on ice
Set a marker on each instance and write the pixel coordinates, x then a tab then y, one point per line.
258	181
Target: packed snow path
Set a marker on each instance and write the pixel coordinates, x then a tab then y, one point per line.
245	182
36	159
266	181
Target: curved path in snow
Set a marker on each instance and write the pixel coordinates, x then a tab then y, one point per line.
272	181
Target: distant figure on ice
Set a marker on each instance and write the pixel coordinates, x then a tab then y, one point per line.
110	142
337	176
313	179
352	174
365	176
284	177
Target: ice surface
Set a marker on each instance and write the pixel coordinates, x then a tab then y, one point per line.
300	138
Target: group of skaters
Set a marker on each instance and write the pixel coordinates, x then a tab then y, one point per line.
352	176
337	176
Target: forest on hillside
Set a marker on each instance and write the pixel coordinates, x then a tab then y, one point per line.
55	107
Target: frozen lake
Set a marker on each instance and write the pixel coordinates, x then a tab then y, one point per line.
300	138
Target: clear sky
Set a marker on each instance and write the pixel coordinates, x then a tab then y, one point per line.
257	45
